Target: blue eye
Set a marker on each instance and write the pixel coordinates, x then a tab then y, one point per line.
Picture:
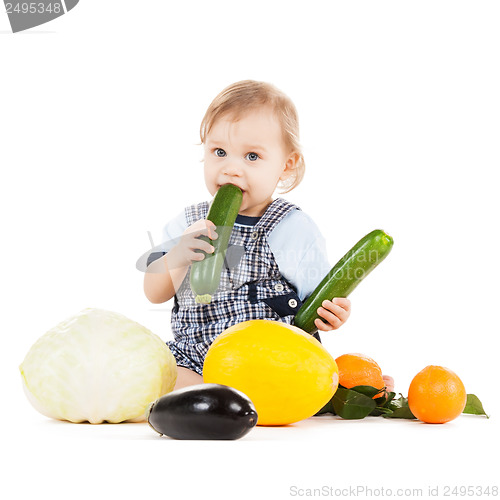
220	152
252	156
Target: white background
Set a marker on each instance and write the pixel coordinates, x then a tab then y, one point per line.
399	105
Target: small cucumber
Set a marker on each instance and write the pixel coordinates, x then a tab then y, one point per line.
205	274
345	276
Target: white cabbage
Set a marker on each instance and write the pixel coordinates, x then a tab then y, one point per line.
97	366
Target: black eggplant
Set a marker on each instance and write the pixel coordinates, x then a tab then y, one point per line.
204	411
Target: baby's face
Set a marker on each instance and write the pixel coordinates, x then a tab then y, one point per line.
250	154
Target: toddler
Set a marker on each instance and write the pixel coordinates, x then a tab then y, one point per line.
276	256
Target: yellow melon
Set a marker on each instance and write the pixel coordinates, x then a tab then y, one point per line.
285	371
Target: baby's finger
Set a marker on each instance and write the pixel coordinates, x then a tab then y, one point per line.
203	245
322	326
211	233
332	319
337	310
344	303
197	231
196	256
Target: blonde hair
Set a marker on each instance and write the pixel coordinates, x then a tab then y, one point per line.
246	95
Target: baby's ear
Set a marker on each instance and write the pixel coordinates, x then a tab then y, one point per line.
290	166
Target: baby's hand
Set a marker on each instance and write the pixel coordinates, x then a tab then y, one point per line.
335	312
188	249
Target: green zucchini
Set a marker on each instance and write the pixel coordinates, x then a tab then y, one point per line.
345	276
205	274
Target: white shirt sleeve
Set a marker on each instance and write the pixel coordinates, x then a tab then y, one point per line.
300	252
172	231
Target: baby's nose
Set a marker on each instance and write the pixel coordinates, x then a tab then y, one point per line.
232	169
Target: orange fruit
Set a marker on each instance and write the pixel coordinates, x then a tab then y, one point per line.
436	395
286	372
358	369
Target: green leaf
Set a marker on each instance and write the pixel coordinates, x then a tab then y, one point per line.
400	409
403	412
352	405
385	400
367	390
380	410
474	406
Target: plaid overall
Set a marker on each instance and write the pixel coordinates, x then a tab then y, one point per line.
251	287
